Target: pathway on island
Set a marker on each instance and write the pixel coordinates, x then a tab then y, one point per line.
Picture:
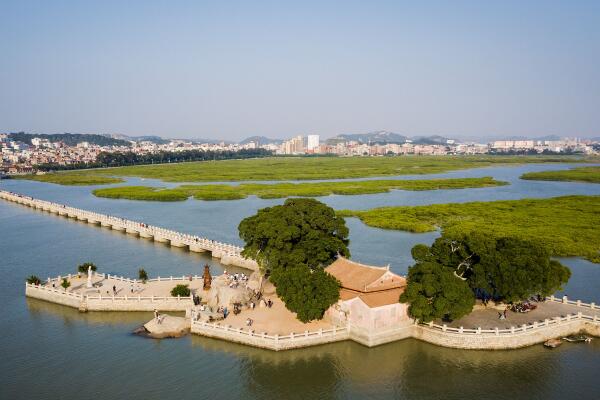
489	318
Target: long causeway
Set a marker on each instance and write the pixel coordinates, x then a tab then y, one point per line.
228	254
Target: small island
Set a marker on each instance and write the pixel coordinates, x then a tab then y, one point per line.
469	291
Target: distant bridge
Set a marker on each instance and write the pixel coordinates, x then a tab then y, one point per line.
228	254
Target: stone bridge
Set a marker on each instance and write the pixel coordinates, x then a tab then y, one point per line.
227	253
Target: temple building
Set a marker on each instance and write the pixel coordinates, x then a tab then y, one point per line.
368	296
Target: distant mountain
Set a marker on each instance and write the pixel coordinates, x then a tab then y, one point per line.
203	140
373	137
388	137
261	140
147	138
435	139
70	139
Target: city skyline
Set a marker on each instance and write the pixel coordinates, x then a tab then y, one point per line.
237	70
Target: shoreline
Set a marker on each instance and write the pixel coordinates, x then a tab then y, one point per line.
573	317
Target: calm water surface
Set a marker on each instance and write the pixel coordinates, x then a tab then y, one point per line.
51	352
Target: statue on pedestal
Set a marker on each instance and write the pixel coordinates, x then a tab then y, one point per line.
89	284
207	277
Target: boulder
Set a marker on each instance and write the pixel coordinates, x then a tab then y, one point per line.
169	327
220	294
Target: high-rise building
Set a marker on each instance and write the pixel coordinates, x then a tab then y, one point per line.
293	146
312	142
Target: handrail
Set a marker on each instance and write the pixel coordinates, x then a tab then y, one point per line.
184	238
111	298
333	332
559	320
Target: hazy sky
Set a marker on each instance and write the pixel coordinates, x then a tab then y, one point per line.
225	69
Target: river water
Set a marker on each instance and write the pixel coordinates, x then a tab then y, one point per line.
49	351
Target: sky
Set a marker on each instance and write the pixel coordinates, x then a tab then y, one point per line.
229	70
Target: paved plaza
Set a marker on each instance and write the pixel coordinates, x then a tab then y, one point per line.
489	318
104	286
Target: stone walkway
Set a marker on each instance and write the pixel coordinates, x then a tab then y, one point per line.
488	318
154	288
275	320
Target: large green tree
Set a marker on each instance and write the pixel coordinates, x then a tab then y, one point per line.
448	274
434	291
299	232
507	268
294	242
307	292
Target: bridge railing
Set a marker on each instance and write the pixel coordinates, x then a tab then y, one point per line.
186	238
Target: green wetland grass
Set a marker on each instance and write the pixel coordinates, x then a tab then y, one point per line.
281	190
567	226
583	174
312	168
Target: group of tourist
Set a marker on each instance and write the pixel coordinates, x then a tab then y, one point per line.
236	279
523	307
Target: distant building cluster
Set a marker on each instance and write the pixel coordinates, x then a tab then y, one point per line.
573	145
311	145
19	157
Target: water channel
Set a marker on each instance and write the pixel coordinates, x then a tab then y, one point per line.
49	351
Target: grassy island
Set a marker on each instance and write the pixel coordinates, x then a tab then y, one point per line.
281	190
72	179
583	174
566	226
312	168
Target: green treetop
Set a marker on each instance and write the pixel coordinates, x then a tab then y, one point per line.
294	242
299	232
505	269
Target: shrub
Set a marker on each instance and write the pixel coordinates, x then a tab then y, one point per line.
142	275
65	283
83	268
34	280
180	290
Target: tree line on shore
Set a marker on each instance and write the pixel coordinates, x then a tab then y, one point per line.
121	159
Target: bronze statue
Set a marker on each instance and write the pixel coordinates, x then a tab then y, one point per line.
207	277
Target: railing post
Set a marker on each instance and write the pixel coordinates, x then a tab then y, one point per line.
578	303
579	315
565	299
497	331
461	329
444	327
479	330
320	331
512	329
592	305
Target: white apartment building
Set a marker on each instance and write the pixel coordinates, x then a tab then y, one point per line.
312	142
